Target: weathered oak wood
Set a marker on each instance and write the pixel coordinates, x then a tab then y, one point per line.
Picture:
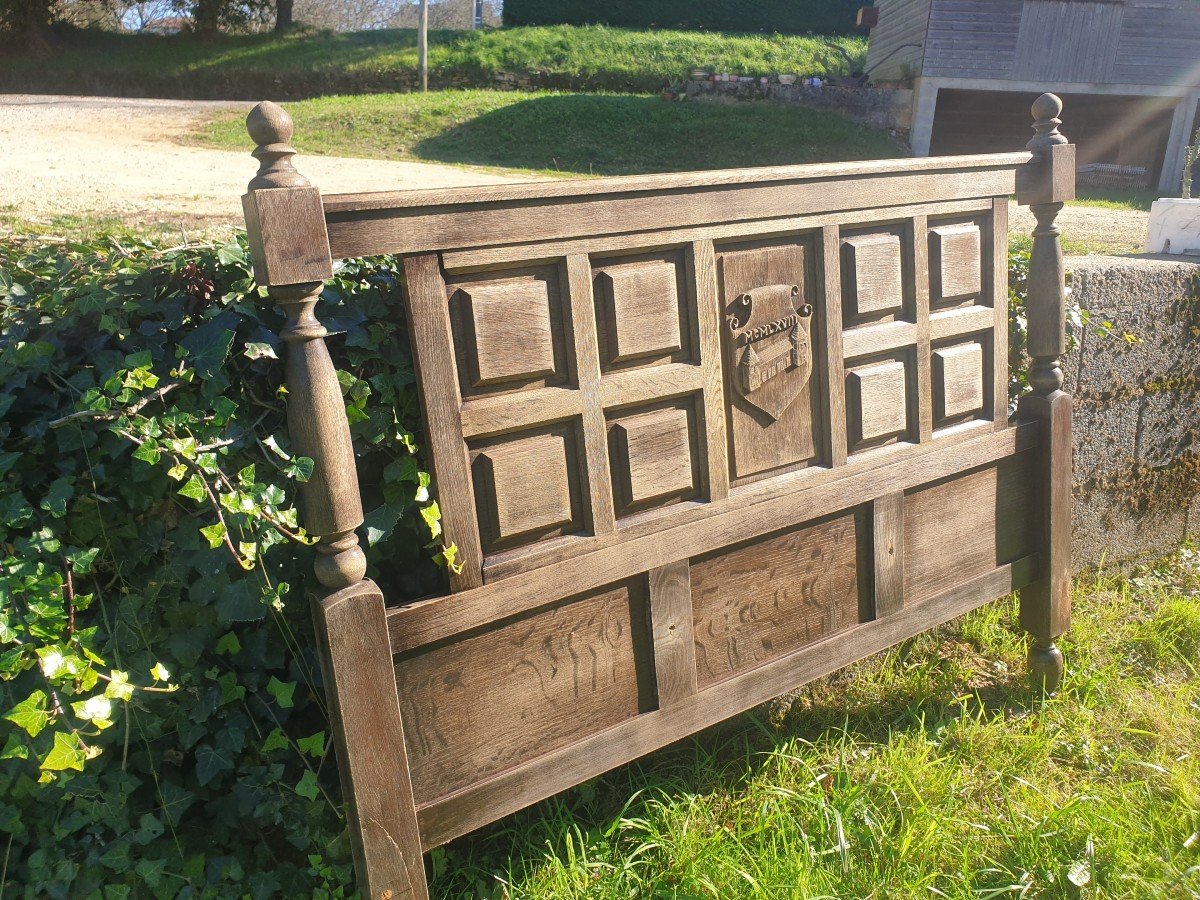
371	752
1046	605
587	374
407	222
698	438
432	343
504	794
887	544
831	340
672	632
431	620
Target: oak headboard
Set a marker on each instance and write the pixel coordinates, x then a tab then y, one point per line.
697	438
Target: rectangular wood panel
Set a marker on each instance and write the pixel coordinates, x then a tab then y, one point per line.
483	702
966	525
761	600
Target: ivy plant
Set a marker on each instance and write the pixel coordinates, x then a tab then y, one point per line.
162	728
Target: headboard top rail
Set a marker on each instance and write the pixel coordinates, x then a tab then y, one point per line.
569	189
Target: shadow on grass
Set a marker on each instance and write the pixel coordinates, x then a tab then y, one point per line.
724	758
601	134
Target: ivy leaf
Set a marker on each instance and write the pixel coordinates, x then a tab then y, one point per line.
208	347
30	714
276	740
307	786
313	745
433	519
81	560
228	644
231	254
282	691
67	753
211	762
259	350
14	748
193	488
214	534
119	687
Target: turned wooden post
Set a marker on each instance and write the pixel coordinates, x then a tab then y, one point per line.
289	245
1044	186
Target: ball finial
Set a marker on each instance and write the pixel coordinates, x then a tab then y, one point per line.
1045	123
270	128
269	123
1046	107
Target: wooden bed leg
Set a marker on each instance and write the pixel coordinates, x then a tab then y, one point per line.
1046	604
289	244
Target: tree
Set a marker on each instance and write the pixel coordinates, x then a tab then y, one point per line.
284	19
25	22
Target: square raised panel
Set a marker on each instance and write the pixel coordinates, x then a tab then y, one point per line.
873	281
525	486
642	302
877	397
651	456
957	381
512	330
955	263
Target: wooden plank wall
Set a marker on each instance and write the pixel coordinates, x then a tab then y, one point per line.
972	39
1138	42
897	43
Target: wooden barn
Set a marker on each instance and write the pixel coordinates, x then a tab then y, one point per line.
1129	71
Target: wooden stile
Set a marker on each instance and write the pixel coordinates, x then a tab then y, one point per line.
698	438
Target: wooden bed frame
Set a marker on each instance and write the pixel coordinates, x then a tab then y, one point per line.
698	439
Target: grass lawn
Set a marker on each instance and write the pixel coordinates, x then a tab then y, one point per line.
1115	198
311	64
927	772
599	134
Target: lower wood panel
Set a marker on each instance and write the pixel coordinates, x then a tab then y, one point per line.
755	602
966	525
478	705
510	791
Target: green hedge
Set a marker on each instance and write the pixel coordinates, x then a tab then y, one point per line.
781	16
164	731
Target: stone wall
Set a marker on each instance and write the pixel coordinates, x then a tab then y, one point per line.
1137	407
889	108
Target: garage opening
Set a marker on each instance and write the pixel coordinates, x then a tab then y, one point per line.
1119	139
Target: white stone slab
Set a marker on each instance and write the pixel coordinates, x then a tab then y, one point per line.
1174	226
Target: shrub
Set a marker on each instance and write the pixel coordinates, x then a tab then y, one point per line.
163	729
783	16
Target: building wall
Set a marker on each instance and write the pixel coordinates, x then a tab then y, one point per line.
1142	42
897	42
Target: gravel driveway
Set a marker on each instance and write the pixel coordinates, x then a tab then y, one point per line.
109	156
104	156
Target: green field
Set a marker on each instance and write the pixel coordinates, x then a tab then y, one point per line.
927	772
597	134
310	64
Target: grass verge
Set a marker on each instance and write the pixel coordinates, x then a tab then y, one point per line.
928	771
601	134
310	64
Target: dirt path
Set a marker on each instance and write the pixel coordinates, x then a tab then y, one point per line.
1100	229
101	157
114	157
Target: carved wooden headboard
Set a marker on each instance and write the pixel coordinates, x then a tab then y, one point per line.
698	439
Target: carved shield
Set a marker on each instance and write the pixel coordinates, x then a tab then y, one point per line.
769	346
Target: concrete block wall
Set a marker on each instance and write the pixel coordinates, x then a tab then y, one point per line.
1137	408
